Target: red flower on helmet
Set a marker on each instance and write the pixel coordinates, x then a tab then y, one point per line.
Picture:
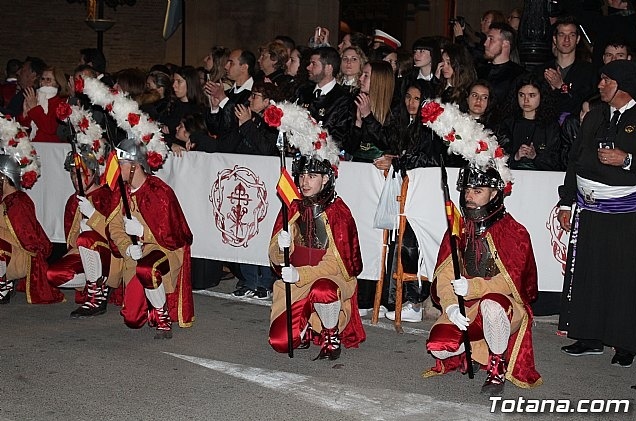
483	146
21	134
507	189
273	116
450	137
499	152
63	111
431	111
322	135
146	138
133	119
317	145
109	107
12	142
96	144
24	161
28	179
83	124
79	85
154	160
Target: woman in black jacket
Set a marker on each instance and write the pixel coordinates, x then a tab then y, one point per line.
532	131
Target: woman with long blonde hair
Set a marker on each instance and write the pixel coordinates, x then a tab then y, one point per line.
369	135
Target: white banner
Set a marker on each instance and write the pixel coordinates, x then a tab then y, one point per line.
230	203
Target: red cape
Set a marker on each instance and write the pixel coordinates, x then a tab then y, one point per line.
162	212
33	239
514	249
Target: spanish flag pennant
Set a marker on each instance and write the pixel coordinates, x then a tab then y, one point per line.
112	171
455	221
79	163
286	187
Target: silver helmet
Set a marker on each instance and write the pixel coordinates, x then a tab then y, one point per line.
133	150
10	169
484	216
89	159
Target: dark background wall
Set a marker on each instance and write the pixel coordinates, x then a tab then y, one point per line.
55	30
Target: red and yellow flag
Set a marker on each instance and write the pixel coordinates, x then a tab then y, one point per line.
455	221
286	187
112	171
79	163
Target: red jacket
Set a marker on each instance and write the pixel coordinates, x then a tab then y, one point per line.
47	122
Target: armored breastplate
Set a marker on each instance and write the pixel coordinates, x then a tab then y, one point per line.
317	237
483	266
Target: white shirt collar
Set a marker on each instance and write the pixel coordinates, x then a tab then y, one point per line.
247	85
326	88
624	108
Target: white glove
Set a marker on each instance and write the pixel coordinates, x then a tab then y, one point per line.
290	274
452	311
85	206
84	226
133	227
284	240
460	286
134	251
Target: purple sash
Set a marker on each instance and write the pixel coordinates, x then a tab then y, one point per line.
623	204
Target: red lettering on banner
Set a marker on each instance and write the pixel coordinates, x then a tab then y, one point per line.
239	203
559	248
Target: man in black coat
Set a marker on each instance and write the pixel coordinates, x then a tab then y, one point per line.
220	118
572	81
327	102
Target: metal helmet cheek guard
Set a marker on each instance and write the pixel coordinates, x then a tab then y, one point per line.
90	160
133	150
10	169
303	164
473	177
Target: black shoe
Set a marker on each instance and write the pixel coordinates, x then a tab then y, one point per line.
243	292
623	359
496	377
85	312
262	294
7	298
331	345
579	348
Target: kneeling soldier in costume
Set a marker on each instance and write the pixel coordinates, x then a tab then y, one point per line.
325	260
89	262
498	283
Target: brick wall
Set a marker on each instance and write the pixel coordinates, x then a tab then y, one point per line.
135	40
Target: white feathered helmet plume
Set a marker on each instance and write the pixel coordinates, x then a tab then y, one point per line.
468	138
318	153
137	124
19	160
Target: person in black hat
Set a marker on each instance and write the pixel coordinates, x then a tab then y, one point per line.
600	279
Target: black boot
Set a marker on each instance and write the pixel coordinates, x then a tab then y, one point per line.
306	338
6	288
164	324
331	346
95	304
496	377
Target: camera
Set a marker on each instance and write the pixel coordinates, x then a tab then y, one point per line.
459	19
606	145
